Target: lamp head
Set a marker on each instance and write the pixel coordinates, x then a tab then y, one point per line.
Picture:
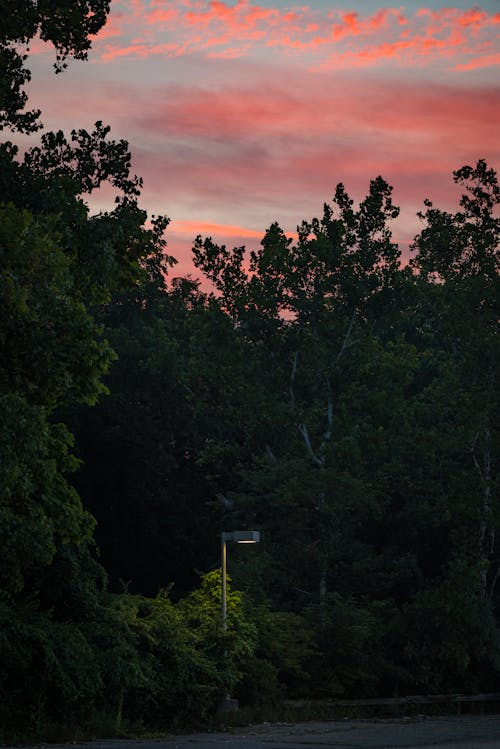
241	537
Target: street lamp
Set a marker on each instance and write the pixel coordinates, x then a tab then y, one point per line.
239	537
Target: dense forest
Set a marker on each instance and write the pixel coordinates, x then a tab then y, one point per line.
340	401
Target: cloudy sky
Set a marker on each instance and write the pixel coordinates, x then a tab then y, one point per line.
243	113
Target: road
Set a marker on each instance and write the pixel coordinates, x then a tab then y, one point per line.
461	732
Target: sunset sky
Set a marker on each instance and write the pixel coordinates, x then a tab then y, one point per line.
241	114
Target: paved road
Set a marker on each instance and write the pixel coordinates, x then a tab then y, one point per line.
466	732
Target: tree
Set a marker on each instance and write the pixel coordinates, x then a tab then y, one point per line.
51	355
52	179
379	456
140	446
67	25
310	302
463	245
460	253
58	264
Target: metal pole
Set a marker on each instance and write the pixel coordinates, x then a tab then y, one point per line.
224	601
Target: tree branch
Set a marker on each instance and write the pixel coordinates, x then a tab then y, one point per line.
270	455
320	462
292	380
474	456
347	343
493	583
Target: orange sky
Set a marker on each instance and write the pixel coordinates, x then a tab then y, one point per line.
240	114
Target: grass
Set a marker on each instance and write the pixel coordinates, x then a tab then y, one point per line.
101	726
316	710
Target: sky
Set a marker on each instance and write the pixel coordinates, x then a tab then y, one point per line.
239	114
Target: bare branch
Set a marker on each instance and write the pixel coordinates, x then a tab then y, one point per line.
228	504
347	343
493	583
329	413
292	379
474	456
486	524
270	455
320	462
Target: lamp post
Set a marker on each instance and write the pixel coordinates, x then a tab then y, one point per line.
239	537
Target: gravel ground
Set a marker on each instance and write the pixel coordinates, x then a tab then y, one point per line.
461	732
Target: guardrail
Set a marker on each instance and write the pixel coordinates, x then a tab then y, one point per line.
418	699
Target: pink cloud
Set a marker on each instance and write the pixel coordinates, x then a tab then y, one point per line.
229	53
348	25
352	25
291	151
113	27
162	15
473	17
261	112
239	18
135	50
484	61
192	228
260	139
199	26
241	141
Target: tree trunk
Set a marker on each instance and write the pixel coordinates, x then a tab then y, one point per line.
486	541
